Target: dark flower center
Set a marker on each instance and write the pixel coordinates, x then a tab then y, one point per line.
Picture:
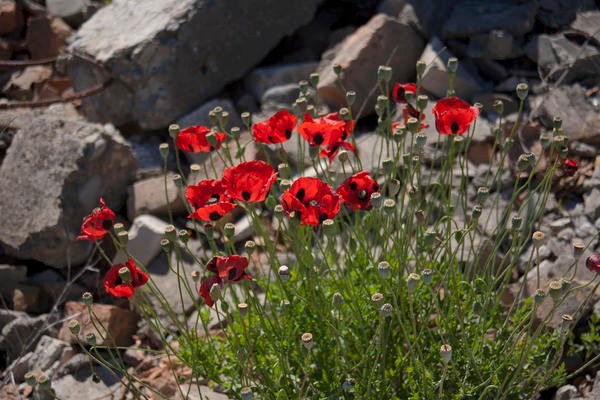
270	139
232	274
118	281
318	138
191	147
362	194
106	224
213	199
353	186
454	127
246	195
214	216
300	194
288	133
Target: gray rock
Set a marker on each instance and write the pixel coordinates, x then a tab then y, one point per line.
588	22
74	12
582	149
11	276
55	287
391	7
427	16
559	13
592	203
279	98
22	333
496	45
472	17
54	173
147	196
47	357
79	383
581	119
166	55
145	235
435	77
263	78
200	392
566	392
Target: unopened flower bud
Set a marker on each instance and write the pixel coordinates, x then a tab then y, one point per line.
215	292
90	339
74	327
337	69
87	299
195	275
538	239
165	245
412	282
555	290
578	248
307	340
164	150
429	237
557	122
386	310
337	300
229	230
539	296
377	300
446	353
384	73
242	308
250	246
376	199
44	382
482	194
498	106
211	138
427	276
522	91
125	274
350	97
422	101
476	212
246	119
420	68
174	130
284	273
413	124
30	378
384	269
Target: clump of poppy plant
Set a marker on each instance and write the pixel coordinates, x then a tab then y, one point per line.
121	284
311	200
97	224
228	269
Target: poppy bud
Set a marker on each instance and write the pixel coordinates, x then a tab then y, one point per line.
388	165
300	105
522	91
376	199
303	85
328	227
427	276
498	133
246	393
515	222
593	263
578	248
555	290
413	124
229	230
90	339
539	296
164	150
87	299
242	308
544	139
246	119
337	69
215	292
278	209
563	152
224	119
557	122
184	235
44	382
498	106
74	327
171	233
389	205
452	65
386	310
30	378
420	217
476	213
422	101
567	319
393	186
313	151
538	239
384	73
420	68
343	156
337	300
165	245
377	300
270	201
250	246
123	237
307	340
384	269
314	79
284	273
285	172
446	353
285	184
420	141
125	274
212	116
195	275
174	130
412	282
482	194
348	384
429	237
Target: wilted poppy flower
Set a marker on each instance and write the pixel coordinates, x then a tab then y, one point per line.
249	181
311	200
209	199
230	268
570	166
356	191
453	115
97	224
400	90
114	284
193	139
593	263
205	286
276	129
325	131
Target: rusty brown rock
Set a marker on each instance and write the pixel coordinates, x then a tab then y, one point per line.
46	36
11	17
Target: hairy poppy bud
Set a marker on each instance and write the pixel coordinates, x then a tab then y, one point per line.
377	300
427	276
215	292
307	340
174	130
522	91
446	353
74	327
412	282
452	65
498	106
384	73
384	269
386	310
284	273
87	299
164	150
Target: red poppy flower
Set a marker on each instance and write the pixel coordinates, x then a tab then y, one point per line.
325	131
356	191
205	286
113	283
193	139
400	90
97	224
593	263
276	129
332	150
453	115
209	199
570	166
229	269
311	200
249	181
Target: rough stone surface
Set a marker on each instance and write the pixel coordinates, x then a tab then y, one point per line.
21	83
79	384
588	22
391	7
70	164
581	120
381	41
46	36
147	196
167	56
279	97
28	298
566	392
435	77
261	79
11	276
471	17
72	11
46	358
21	333
120	324
559	13
11	17
145	235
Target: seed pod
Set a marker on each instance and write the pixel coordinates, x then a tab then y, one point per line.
384	269
446	353
307	340
284	273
